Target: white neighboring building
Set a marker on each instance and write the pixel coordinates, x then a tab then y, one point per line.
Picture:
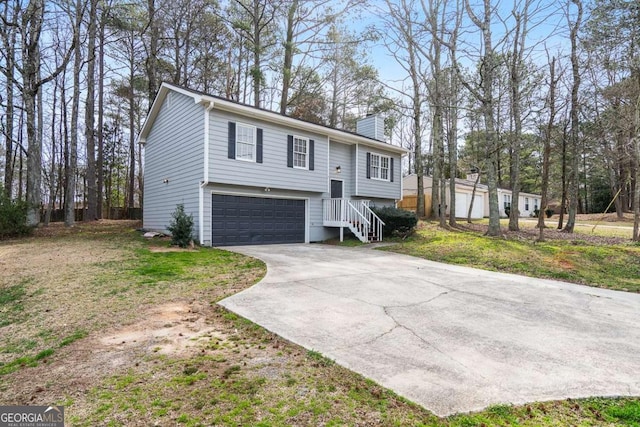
464	192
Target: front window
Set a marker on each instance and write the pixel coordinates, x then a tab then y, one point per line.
526	203
507	201
380	167
245	143
300	153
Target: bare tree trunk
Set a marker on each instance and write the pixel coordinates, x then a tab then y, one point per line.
473	197
452	143
69	214
100	130
575	123
288	57
636	146
563	178
546	154
33	16
9	41
515	74
152	54
52	167
132	138
91	191
486	97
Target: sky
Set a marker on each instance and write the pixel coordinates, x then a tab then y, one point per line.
547	31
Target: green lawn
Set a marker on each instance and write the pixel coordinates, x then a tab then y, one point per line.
611	266
237	374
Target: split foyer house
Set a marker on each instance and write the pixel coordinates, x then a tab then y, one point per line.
252	176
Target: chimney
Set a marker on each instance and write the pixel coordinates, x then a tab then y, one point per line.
371	126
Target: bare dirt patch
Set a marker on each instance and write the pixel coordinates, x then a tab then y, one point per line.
176	329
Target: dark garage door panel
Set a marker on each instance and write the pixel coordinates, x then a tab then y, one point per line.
243	220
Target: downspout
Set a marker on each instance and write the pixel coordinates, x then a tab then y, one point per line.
357	192
205	180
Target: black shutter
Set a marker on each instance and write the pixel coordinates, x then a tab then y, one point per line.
259	146
391	169
368	165
290	151
311	153
231	150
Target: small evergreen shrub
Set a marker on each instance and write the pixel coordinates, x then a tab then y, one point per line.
13	217
397	221
548	212
181	227
507	211
536	213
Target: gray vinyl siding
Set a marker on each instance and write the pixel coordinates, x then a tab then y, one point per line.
371	127
374	188
317	232
340	155
173	151
273	172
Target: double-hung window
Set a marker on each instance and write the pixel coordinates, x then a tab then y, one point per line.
507	201
526	203
300	153
245	142
380	167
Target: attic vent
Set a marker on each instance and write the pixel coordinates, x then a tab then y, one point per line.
372	127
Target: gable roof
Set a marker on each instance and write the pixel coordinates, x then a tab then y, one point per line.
257	113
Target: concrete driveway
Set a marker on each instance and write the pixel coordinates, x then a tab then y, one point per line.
450	338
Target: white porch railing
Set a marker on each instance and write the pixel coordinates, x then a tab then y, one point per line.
354	214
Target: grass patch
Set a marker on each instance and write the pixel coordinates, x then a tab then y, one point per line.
25	361
319	358
11	303
615	266
77	335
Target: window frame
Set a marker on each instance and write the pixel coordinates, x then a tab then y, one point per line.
379	167
254	153
506	201
306	153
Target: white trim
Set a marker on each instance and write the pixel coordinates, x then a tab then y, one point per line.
380	156
306	155
201	213
401	183
328	165
356	193
207	135
205	178
264	196
255	142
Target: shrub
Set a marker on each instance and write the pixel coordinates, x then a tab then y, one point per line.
536	213
507	211
13	217
397	221
181	227
548	212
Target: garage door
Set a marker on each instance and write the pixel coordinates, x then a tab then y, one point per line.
462	206
241	220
